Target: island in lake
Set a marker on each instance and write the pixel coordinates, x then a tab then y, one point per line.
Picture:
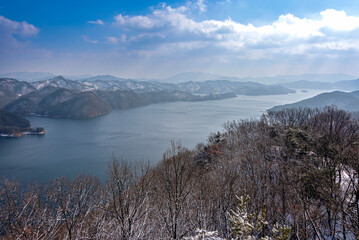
15	126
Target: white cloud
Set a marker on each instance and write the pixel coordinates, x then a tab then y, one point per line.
10	31
288	34
10	27
98	22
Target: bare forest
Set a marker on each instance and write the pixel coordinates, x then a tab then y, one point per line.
292	174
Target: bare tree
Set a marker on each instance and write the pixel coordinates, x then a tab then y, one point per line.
127	198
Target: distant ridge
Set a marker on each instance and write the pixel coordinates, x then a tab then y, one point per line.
348	101
346	85
37	76
200	76
185	77
28	76
197	77
103	78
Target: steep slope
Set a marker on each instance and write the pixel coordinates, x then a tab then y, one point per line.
11	89
37	100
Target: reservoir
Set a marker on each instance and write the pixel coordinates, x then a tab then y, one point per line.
72	147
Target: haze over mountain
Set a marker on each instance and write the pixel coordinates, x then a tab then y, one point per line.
185	77
28	76
196	77
308	77
346	85
38	76
348	101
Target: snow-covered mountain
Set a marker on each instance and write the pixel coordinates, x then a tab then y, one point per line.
205	87
10	89
61	82
137	86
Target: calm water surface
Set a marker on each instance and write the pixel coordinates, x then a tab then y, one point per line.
71	147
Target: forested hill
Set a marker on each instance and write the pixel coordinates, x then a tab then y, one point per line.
15	126
10	120
11	124
292	174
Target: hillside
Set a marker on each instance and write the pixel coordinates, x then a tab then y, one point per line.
37	101
11	89
15	126
343	100
10	120
83	105
59	102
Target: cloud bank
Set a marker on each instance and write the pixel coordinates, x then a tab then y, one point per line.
168	30
169	40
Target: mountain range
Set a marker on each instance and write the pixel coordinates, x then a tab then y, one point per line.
95	96
110	83
60	97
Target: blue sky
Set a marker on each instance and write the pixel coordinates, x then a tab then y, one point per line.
159	39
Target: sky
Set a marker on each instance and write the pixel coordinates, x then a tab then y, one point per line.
157	39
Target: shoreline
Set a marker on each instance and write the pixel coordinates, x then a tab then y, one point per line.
20	134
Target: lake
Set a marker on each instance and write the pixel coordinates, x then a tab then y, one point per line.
71	147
